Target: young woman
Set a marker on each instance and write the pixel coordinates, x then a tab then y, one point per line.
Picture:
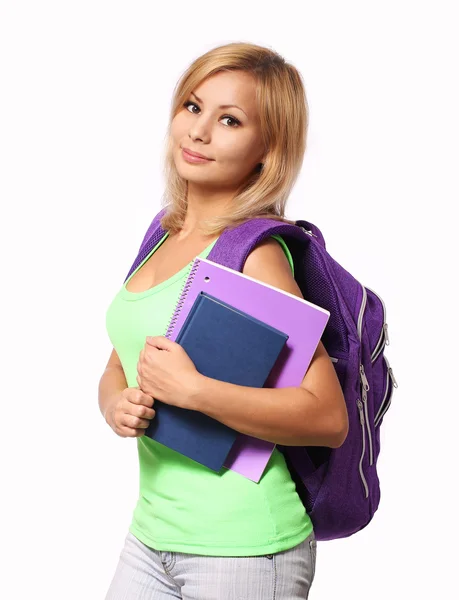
197	534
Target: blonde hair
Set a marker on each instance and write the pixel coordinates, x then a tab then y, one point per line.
283	110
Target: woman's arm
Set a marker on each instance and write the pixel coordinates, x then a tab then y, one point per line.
290	416
313	413
112	382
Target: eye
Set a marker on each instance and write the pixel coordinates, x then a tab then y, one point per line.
187	104
233	119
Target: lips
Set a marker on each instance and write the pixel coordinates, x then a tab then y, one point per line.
197	154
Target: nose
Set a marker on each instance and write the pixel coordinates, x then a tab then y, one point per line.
200	130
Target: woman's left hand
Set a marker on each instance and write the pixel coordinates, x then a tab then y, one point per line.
166	372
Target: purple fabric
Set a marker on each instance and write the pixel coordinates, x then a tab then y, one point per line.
339	487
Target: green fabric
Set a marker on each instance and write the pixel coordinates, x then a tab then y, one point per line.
183	506
286	250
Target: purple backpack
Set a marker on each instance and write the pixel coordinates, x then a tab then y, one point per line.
339	487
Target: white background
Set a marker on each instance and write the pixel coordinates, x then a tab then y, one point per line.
85	94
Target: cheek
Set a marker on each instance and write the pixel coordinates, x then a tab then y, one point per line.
179	127
237	154
174	130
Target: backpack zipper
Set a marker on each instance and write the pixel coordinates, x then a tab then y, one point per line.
383	341
384	335
365	388
383	408
363	378
362	422
383	400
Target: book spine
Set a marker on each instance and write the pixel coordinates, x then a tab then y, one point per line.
183	294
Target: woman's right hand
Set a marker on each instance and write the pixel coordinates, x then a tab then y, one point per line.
130	412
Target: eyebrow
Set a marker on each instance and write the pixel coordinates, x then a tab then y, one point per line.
222	105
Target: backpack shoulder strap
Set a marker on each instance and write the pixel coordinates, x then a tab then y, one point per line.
234	245
151	228
152	236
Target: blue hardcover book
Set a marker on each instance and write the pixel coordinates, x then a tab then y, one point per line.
226	344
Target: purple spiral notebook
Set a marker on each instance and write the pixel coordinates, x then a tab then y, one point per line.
303	322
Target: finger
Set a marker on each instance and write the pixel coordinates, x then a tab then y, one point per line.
142	411
133	422
124	431
138	422
141	398
160	342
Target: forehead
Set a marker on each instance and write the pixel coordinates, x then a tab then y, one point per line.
229	87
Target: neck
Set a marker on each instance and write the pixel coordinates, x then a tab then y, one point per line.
202	206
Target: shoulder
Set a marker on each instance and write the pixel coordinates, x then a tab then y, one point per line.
268	263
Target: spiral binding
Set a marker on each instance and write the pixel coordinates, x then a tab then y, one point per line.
183	294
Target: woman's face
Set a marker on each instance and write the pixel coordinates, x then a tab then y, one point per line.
230	136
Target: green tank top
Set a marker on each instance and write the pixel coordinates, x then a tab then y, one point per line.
182	505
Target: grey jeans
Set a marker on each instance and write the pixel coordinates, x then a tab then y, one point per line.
144	573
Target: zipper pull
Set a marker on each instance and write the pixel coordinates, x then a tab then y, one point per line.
364	379
386	333
392	376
